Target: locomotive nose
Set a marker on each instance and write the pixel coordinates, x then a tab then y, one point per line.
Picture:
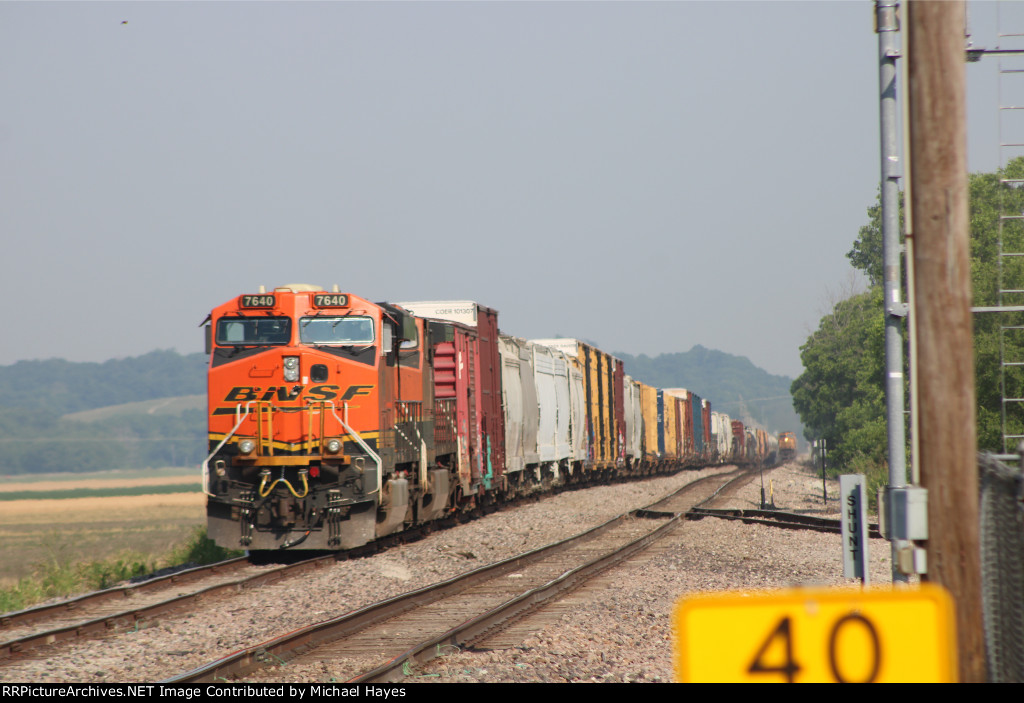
296	368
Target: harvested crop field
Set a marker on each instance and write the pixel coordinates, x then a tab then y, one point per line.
109	479
83	529
115	509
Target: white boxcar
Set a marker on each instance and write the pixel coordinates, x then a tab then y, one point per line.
461	311
519	403
725	438
578	438
721	436
579	441
551	375
634	419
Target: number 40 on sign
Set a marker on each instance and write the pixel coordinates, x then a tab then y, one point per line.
816	635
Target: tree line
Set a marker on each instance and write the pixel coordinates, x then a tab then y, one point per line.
36	396
840	396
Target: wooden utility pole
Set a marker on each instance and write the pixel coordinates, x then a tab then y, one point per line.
949	470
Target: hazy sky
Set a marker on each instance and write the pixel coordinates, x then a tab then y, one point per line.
649	176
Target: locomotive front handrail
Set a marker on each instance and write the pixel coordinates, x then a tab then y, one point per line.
364	445
229	435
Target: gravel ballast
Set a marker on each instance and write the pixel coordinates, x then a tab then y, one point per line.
624	636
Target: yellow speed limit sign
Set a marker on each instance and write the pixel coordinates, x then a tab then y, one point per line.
816	635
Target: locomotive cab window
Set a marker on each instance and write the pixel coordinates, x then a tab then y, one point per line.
336	330
246	331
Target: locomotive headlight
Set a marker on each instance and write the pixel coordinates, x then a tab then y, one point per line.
291	368
333	446
246	446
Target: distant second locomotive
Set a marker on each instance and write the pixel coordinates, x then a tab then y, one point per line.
787	446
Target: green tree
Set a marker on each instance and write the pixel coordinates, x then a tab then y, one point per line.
852	420
35	435
840	396
866	253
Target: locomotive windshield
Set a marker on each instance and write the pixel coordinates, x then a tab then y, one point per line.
336	330
246	331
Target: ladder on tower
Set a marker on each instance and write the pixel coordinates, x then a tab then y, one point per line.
1010	231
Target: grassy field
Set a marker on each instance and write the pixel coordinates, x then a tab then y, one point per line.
47	530
101	492
103	479
160	406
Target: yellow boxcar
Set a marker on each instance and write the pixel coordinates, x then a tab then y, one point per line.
649	405
680	398
671	426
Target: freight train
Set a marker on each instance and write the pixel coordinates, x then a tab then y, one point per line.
334	421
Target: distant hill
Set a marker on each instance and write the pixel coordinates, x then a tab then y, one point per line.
732	383
62	416
160	407
149	410
67	386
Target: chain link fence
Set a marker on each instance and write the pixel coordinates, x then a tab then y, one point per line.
1002	567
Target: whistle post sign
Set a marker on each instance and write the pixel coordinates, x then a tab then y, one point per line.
855	527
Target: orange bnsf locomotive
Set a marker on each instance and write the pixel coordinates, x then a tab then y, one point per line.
334	420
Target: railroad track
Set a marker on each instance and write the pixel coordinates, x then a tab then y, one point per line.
131	606
778	518
135	606
377	643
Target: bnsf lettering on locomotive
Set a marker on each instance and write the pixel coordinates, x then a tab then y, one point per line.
282	393
323	392
326	392
242	393
353	391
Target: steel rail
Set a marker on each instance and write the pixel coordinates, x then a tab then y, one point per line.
345	625
306	638
43	612
134	616
483	624
777	518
